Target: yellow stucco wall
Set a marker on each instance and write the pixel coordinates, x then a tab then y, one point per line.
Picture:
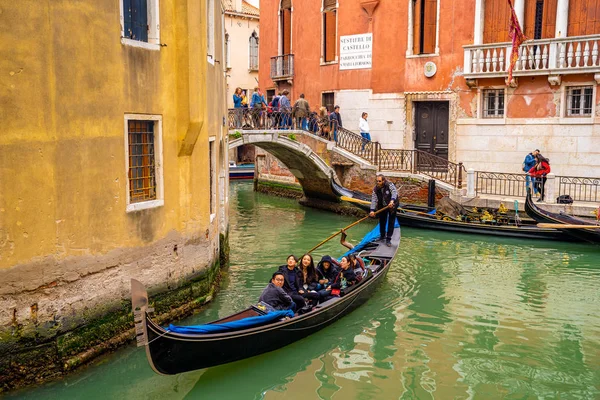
66	82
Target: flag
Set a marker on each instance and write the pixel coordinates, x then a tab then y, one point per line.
517	37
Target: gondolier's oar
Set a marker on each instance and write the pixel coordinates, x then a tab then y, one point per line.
567	226
352	200
343	229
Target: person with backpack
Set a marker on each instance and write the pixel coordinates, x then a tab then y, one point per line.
540	170
529	163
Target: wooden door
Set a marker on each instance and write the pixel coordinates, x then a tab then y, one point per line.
431	127
286	32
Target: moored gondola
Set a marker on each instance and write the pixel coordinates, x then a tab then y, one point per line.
418	217
542	216
171	352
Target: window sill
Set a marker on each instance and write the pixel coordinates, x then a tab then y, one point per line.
323	63
252	69
144	205
576	120
491	121
212	217
140	44
210	60
422	55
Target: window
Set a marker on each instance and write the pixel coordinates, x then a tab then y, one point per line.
140	23
493	103
329	30
425	25
227	52
144	155
327	101
579	101
285	27
212	177
270	95
253	65
210	31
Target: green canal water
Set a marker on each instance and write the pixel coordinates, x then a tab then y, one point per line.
457	317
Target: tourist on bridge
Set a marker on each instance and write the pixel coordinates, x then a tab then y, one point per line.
237	105
275	296
335	119
385	195
363	126
286	109
257	103
301	111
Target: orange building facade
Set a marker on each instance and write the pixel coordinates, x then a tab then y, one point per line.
431	74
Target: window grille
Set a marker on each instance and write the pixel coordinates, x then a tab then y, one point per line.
579	101
253	52
142	171
135	16
493	103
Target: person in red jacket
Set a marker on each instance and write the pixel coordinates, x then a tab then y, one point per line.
539	172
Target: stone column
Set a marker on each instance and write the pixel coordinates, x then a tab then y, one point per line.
562	18
479	22
550	188
470	182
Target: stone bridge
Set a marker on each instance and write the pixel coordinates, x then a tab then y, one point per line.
308	157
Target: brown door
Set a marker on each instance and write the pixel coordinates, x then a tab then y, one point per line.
286	32
431	127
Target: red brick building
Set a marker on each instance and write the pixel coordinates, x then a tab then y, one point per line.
431	75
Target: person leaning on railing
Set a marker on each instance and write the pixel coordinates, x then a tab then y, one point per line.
335	119
257	103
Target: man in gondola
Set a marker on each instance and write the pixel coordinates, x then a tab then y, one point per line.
385	195
275	296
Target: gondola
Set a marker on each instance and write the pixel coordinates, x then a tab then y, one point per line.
171	352
416	217
543	216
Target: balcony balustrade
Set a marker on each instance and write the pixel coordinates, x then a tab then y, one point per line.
282	67
558	56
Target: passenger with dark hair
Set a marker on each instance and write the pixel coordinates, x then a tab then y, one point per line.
293	281
308	279
346	277
327	270
275	296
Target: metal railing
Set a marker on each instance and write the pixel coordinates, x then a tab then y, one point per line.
357	145
268	118
505	184
500	183
579	188
282	67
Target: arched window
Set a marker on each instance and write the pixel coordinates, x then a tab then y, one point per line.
329	30
253	43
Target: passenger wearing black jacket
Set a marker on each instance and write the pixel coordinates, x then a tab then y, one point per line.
293	281
326	272
308	279
274	295
346	277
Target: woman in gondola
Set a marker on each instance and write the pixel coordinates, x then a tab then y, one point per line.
327	270
293	281
356	262
346	277
308	278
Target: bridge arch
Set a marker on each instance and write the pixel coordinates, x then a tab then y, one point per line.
308	167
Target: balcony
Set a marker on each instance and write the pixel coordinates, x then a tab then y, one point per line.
282	67
552	57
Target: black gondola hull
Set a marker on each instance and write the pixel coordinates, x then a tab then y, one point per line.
543	216
414	220
176	353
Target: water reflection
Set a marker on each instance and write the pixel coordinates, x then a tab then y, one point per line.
458	316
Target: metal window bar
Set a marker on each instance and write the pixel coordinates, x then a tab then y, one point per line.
579	101
254	52
142	170
493	103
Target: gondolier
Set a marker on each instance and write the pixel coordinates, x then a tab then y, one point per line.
385	195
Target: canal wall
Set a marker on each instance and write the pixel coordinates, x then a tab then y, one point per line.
85	310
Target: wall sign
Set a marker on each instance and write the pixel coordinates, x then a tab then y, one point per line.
429	69
356	51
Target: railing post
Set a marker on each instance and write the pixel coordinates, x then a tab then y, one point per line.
413	167
550	188
460	168
377	148
470	182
